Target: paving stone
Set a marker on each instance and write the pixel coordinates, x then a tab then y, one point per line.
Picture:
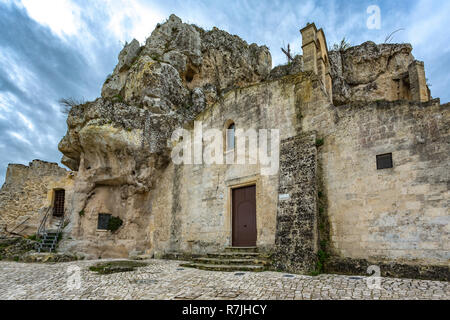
162	280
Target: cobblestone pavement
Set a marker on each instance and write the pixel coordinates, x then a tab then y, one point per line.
166	280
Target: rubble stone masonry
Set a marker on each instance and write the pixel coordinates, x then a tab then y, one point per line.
26	192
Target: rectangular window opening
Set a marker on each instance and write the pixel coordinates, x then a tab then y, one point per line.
103	221
384	161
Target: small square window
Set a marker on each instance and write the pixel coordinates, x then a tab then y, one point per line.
103	221
384	161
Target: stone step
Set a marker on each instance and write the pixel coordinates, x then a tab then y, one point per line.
224	267
234	255
230	261
47	246
241	249
48	243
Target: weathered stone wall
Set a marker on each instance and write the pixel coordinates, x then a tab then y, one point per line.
398	214
27	191
131	238
296	238
192	204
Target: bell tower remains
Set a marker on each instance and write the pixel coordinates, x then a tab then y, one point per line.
315	55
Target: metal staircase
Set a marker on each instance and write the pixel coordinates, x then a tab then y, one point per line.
49	232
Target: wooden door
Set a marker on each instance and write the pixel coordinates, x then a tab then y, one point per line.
244	216
58	205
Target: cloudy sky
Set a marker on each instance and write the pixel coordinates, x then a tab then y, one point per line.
51	49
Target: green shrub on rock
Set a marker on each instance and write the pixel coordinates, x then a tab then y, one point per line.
114	224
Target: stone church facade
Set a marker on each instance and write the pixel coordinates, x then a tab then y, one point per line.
363	160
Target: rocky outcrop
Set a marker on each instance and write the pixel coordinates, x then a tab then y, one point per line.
293	67
119	142
368	72
115	143
154	88
179	58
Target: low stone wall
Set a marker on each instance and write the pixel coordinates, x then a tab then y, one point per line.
387	269
296	232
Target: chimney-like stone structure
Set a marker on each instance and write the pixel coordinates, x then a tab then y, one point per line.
315	55
418	82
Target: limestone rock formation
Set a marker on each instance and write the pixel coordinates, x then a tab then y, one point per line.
119	142
178	58
154	88
290	68
366	72
110	140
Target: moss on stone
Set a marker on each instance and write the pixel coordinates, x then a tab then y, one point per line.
116	266
319	142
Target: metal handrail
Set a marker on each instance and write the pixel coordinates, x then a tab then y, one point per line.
41	229
15	228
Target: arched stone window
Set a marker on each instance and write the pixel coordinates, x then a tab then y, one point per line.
230	136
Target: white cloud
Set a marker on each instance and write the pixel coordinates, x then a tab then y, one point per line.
7	102
124	19
20	137
18	72
61	16
132	19
26	121
427	31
